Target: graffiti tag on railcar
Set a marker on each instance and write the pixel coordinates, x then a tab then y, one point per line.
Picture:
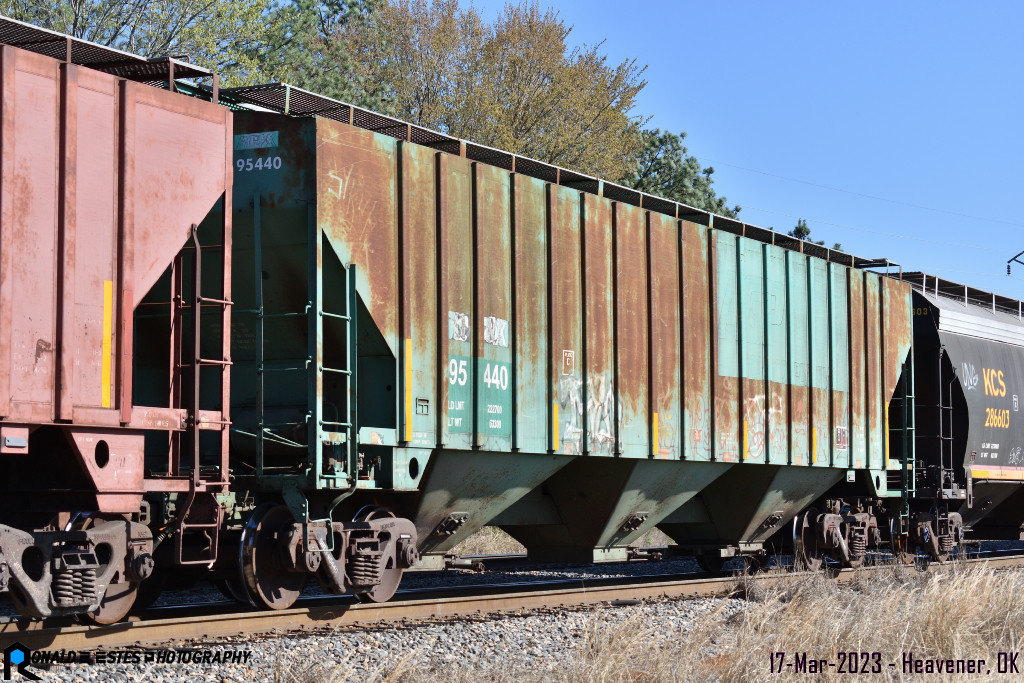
970	377
495	331
458	326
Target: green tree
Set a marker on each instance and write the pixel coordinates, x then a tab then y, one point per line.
300	47
802	232
515	84
665	168
216	34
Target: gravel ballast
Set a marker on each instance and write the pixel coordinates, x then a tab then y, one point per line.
538	641
535	640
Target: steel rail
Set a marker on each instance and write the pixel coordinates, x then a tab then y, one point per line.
501	598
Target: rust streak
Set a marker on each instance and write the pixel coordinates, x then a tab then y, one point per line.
697	343
600	339
631	332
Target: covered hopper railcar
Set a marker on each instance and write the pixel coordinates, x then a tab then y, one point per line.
969	365
101	180
288	338
513	344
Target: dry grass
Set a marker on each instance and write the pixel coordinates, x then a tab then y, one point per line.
490	540
959	613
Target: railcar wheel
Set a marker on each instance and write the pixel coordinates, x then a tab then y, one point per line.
391	573
264	575
807	552
120	596
233	589
118	600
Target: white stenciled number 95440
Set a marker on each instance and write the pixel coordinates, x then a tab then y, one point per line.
258	164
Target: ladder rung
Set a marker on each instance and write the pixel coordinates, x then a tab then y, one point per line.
340	372
283	315
335	315
208	300
210	361
189	307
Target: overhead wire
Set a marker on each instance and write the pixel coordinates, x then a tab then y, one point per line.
875	232
870	196
885	233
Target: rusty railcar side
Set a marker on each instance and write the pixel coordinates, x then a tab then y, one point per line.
663	334
566	323
631	317
529	229
102	180
599	318
102	183
697	383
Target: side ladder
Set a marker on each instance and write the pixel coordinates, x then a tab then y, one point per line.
904	433
330	419
200	514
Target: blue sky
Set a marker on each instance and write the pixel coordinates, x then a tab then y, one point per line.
892	128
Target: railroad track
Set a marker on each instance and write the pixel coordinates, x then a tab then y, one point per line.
217	620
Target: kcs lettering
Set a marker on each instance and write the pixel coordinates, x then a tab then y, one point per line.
994	385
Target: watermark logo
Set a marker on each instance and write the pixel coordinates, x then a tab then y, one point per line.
17	658
20	659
